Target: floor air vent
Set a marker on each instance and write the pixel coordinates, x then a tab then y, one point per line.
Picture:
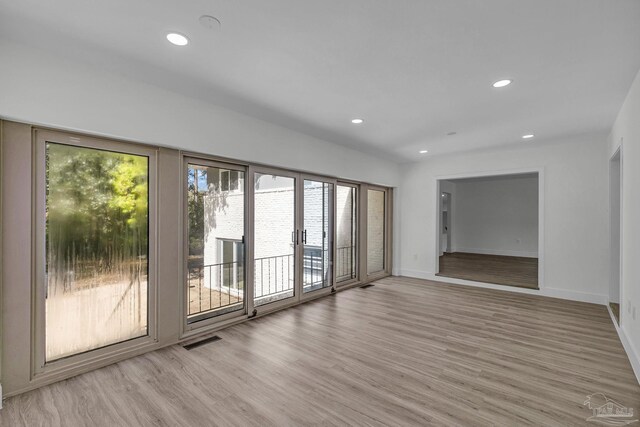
201	342
366	286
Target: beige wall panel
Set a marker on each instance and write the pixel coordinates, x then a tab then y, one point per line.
16	251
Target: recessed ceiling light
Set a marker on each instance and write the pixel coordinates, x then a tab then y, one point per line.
357	121
210	22
424	151
178	39
528	136
502	83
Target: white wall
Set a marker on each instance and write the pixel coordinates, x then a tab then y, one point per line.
575	204
496	215
40	88
626	131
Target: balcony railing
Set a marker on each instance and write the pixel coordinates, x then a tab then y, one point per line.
215	286
274	277
316	269
345	263
221	286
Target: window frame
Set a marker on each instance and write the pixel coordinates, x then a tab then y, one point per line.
357	232
316	293
40	367
207	320
235	243
388	222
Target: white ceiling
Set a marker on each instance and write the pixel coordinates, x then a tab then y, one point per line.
413	69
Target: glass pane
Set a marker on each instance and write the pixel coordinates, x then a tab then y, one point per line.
346	221
274	238
215	264
317	235
375	231
97	247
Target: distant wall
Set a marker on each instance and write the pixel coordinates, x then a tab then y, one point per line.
575	211
496	216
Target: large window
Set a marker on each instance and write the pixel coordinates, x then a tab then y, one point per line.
376	229
347	225
130	247
215	260
97	248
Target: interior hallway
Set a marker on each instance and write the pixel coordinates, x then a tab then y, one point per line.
502	270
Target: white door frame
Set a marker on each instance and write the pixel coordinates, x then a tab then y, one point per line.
618	153
480	174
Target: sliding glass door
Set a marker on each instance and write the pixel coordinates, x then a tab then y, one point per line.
293	235
346	233
215	244
317	235
276	237
303	238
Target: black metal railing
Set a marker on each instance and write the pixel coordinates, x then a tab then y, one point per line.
316	268
215	286
345	263
273	275
218	286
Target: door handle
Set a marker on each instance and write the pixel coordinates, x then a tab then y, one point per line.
304	237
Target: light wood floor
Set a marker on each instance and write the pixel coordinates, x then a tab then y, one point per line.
503	270
403	352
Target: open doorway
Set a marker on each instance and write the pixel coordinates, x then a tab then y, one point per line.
615	191
489	229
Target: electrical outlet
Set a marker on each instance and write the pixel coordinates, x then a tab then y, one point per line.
415	257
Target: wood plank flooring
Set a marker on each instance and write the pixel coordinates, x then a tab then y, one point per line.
502	270
403	352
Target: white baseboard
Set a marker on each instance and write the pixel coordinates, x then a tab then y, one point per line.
525	254
547	292
632	354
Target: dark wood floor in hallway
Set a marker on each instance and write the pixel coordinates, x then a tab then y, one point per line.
502	270
403	352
